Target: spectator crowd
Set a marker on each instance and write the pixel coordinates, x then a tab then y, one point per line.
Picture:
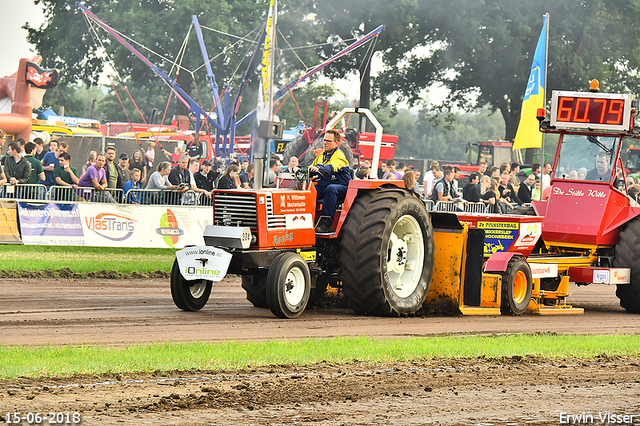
184	178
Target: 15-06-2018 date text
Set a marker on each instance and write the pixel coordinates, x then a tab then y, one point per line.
52	418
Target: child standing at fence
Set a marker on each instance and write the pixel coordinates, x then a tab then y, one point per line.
133	183
150	156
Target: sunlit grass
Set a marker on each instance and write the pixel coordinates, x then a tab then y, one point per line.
63	361
85	259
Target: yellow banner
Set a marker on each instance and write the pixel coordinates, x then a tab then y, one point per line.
9	222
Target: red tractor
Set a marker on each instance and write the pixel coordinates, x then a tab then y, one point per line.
382	248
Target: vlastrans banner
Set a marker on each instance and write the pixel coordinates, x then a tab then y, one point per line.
9	232
50	224
113	225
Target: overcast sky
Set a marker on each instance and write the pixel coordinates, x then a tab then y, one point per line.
13	45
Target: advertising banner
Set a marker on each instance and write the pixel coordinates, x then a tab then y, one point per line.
498	236
50	224
113	225
9	222
176	227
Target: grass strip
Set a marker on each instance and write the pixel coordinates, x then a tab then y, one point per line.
123	260
230	355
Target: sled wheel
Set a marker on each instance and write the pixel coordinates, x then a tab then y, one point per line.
517	285
255	285
188	295
387	253
628	256
288	285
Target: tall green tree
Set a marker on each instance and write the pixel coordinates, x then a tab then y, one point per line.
344	21
481	51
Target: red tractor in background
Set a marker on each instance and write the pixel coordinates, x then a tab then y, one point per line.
357	146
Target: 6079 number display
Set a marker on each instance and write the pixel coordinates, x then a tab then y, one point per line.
580	110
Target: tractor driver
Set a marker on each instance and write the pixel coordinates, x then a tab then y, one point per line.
601	173
334	181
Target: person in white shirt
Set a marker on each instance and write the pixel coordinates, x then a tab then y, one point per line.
431	176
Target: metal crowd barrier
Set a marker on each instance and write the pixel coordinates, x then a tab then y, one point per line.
428	204
109	195
156	196
446	206
23	191
479	207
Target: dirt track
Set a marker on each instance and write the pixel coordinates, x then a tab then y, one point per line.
449	392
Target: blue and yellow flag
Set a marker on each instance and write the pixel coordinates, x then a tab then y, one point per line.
528	134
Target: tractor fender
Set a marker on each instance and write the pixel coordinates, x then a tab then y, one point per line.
355	187
498	262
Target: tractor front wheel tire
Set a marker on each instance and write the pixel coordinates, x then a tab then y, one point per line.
628	256
188	295
288	285
517	285
387	253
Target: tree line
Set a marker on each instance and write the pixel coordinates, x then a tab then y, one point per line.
478	51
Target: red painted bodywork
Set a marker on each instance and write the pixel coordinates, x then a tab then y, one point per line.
301	238
352	192
585	212
498	262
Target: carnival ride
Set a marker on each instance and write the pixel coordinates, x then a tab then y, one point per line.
225	120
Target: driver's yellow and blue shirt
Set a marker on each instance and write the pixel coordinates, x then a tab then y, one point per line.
334	168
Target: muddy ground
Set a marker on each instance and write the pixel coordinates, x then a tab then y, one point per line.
511	391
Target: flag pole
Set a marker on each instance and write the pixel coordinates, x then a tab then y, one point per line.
544	90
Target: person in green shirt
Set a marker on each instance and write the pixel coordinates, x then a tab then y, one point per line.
37	172
65	175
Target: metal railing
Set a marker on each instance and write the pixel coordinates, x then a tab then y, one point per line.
446	206
27	192
157	196
23	191
479	207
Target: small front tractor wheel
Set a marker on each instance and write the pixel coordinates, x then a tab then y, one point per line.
628	256
387	253
188	295
517	285
255	284
288	285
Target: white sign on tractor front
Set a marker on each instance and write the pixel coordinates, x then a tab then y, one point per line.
203	263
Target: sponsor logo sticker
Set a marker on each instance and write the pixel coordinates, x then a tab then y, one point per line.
111	226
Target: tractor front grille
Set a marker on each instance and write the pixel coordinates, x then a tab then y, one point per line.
234	209
274	221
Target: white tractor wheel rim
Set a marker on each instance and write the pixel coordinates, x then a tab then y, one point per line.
197	289
294	286
405	256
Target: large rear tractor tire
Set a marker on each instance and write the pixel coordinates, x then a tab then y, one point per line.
288	285
517	285
387	253
628	256
295	148
188	295
255	285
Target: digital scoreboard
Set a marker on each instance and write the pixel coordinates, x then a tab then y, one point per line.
590	110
